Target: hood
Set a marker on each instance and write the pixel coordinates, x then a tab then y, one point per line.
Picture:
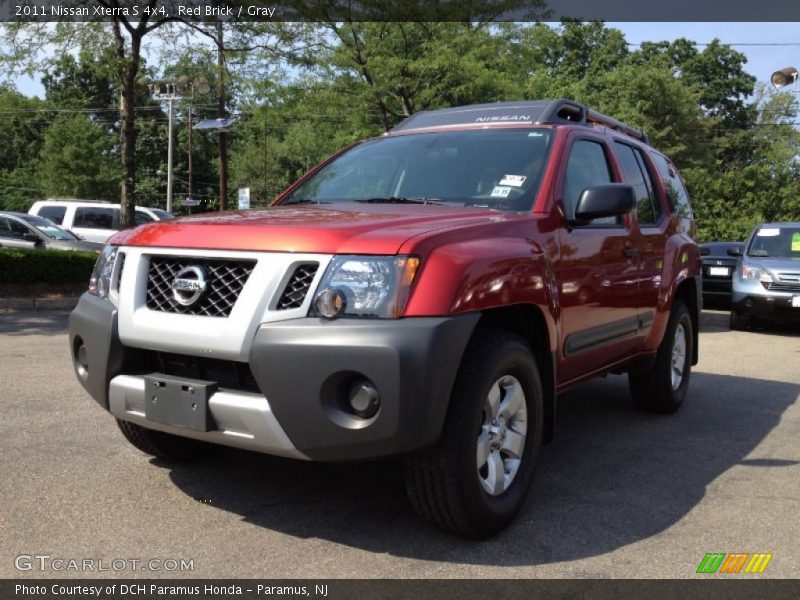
343	228
777	265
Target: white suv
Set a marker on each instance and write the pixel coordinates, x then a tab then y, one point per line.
93	221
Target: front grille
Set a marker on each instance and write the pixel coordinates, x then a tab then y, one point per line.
295	291
782	286
228	374
225	279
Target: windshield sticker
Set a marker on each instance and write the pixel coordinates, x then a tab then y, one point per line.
513	180
535	134
500	191
796	242
768	232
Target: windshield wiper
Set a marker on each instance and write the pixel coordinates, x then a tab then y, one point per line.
301	201
399	200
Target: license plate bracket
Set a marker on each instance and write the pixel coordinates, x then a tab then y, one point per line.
179	401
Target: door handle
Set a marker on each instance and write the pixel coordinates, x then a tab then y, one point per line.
630	252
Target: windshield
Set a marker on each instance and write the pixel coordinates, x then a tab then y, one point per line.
499	169
50	229
776	242
162	214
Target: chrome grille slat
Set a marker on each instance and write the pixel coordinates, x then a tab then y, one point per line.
294	294
225	280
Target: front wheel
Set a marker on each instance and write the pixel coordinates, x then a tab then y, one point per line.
476	479
738	322
662	387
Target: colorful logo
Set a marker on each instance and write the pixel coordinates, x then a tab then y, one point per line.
734	562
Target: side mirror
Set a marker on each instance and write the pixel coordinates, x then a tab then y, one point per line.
738	251
704	251
31	237
605	200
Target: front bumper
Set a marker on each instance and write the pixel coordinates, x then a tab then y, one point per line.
303	368
766	306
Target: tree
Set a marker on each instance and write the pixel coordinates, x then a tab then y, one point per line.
77	160
26	44
23	122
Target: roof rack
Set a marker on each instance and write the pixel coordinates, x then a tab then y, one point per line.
531	111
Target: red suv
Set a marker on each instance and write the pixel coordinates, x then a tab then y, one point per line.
427	293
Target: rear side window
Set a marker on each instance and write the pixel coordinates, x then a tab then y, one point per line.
95	218
677	196
9	228
54	213
648	208
587	166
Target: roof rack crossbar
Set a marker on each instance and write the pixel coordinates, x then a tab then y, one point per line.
593	116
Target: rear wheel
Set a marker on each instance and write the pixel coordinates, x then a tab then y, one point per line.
164	445
662	387
476	479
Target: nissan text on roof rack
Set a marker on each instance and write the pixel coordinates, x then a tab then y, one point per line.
424	294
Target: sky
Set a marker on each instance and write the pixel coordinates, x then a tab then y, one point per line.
779	44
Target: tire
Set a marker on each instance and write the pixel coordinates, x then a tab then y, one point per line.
445	484
738	322
166	446
662	387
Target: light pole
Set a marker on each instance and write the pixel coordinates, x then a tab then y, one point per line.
169	91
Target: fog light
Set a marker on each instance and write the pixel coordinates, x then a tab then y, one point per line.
329	304
364	398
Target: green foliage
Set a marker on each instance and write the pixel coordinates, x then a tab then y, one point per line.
46	266
77	161
302	91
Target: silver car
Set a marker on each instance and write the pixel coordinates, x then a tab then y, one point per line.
21	230
766	284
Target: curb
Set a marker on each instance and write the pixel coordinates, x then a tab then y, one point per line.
32	304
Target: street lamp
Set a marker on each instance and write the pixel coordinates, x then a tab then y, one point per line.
170	90
784	77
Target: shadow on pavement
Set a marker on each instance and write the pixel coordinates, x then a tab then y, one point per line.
34	323
613	476
718	321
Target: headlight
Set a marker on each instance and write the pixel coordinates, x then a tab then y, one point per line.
365	286
759	273
100	282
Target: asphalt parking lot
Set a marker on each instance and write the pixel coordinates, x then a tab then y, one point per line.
617	494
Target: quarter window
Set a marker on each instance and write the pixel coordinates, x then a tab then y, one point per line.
673	185
648	208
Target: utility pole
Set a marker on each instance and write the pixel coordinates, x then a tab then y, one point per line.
223	141
169	154
189	132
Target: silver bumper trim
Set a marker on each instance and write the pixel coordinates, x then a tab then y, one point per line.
245	420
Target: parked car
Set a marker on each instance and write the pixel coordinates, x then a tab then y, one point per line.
719	264
21	230
766	285
93	221
424	294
